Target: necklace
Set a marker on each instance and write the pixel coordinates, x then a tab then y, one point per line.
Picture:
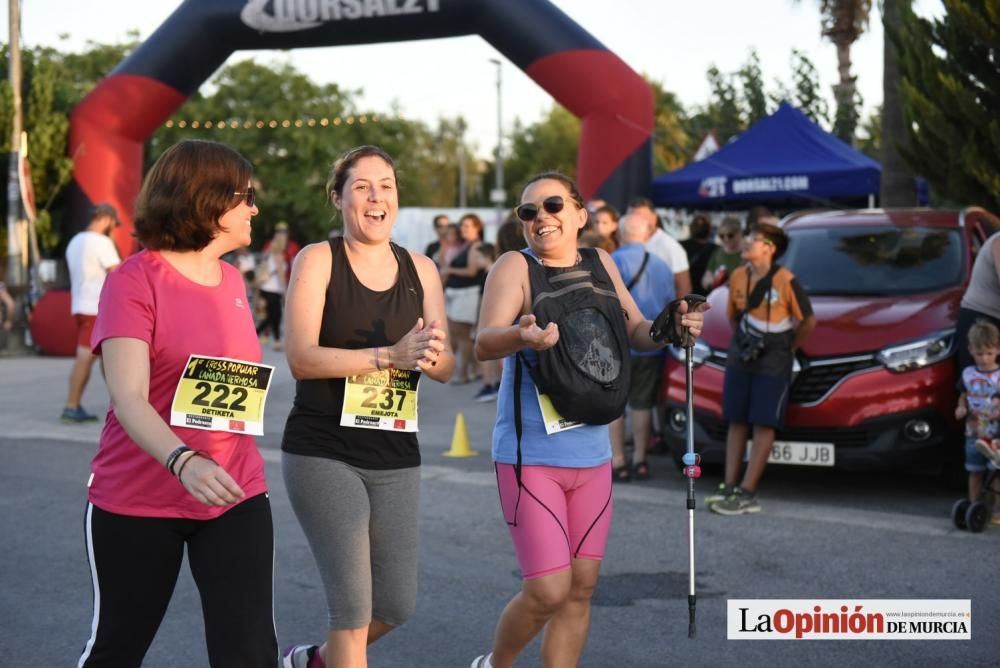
577	261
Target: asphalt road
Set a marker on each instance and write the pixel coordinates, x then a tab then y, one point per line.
822	534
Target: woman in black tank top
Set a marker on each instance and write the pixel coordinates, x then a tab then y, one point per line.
365	320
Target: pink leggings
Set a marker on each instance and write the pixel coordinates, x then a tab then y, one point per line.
557	515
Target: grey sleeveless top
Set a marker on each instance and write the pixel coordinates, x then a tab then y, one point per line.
983	293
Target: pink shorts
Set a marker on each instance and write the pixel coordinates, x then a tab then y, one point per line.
558	515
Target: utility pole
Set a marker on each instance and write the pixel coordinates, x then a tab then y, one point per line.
15	264
499	195
462	186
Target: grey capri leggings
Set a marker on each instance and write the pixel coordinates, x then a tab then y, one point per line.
362	528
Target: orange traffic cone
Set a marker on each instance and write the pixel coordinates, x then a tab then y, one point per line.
460	440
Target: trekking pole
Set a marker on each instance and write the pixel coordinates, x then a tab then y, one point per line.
692	460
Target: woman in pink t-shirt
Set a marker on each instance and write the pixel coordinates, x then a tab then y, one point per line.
177	467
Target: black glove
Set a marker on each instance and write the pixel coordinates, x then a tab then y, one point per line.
665	326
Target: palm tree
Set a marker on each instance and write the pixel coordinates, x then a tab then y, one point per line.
897	186
843	22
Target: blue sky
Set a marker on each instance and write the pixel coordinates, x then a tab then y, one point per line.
674	41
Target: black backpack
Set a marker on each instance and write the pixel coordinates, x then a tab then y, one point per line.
587	373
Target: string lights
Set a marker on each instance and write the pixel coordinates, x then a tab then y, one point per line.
260	124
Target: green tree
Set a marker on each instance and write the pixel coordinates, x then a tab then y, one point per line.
292	129
753	96
806	89
950	84
551	143
870	139
897	187
672	145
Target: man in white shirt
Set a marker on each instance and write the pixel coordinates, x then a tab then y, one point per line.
662	245
90	255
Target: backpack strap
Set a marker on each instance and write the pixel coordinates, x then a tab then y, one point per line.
518	427
638	274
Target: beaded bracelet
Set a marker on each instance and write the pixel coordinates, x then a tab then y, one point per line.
185	463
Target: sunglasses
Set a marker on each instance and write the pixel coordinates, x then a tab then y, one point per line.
249	194
552	205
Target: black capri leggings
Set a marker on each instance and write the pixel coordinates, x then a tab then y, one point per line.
134	563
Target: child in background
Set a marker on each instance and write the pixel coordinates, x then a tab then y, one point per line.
980	387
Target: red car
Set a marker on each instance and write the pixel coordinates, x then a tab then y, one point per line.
874	386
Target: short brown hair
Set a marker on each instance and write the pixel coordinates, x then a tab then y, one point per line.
338	174
774	235
983	334
190	186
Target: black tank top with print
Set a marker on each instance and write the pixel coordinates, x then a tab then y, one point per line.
355	317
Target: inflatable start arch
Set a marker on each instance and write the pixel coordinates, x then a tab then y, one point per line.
109	126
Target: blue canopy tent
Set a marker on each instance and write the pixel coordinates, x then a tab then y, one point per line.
785	161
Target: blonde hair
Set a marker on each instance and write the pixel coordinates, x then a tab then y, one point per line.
983	334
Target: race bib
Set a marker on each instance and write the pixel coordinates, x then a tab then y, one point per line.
554	423
384	399
221	394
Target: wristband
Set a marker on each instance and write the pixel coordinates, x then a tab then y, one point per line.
172	457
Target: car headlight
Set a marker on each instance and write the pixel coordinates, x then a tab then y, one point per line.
918	354
699	354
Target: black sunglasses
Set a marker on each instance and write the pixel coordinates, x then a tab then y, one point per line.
249	194
529	211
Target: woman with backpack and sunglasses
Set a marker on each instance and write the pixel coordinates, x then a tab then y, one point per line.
553	474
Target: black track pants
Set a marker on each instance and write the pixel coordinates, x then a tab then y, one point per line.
134	562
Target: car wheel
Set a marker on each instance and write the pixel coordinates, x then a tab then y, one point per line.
958	513
976	517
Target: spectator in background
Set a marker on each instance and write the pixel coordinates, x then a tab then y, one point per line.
490	369
606	223
980	385
272	280
91	256
726	257
510	236
650	282
765	303
441	223
8	307
461	278
292	247
699	248
451	245
981	300
594	239
662	245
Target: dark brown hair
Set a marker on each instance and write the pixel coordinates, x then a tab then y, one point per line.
645	203
190	186
510	236
338	175
475	219
561	178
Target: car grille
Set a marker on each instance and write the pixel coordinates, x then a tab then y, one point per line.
819	377
716	430
812	383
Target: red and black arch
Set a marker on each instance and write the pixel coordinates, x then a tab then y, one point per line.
109	126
